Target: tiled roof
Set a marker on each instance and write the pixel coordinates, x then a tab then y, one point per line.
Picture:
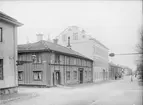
45	46
9	19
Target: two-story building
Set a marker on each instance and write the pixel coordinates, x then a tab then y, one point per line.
88	46
8	54
52	65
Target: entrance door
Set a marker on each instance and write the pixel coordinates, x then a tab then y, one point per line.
81	75
57	77
53	79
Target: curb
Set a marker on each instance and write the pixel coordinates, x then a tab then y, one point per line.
17	98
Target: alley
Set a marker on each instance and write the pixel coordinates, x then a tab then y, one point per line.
120	92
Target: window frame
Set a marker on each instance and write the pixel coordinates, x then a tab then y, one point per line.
68	78
22	75
37	77
75	77
57	58
38	59
1	68
64	37
1	34
75	36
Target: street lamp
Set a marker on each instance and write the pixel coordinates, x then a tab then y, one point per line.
113	54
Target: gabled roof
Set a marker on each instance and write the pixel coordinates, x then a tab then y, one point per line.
48	46
9	19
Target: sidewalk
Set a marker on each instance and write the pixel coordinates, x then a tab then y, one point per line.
89	84
16	96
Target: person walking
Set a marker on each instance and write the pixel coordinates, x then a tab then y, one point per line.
131	78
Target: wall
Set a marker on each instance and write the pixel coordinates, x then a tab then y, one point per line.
8	53
28	69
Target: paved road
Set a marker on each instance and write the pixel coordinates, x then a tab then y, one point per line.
120	92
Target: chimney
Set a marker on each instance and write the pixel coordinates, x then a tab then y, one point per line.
39	37
69	46
55	41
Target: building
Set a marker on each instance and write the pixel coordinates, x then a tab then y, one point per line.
8	54
44	63
88	46
115	71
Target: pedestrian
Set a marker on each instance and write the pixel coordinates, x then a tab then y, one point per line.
131	78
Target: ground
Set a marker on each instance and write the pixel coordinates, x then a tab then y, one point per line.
116	92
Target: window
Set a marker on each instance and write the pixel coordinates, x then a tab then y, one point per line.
68	75
75	36
74	62
85	74
20	75
57	58
37	75
1	34
75	74
38	58
64	37
1	69
68	60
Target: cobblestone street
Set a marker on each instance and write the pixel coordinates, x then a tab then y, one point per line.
120	92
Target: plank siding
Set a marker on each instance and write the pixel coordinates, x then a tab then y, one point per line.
49	67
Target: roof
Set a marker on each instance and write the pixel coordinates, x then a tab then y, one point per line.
99	43
48	46
9	19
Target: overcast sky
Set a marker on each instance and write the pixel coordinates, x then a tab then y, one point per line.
116	24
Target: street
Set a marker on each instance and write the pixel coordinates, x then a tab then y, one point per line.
120	92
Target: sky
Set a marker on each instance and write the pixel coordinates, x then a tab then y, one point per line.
116	24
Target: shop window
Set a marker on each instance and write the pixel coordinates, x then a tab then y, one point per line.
37	75
68	75
20	75
1	69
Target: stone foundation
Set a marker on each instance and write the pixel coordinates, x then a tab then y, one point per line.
9	90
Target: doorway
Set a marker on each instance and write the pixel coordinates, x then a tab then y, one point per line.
57	77
80	72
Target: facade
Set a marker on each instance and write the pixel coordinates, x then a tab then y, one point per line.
8	54
88	46
115	71
54	65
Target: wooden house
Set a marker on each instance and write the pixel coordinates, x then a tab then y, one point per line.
49	64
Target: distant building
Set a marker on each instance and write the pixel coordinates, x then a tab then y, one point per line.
88	46
115	71
8	54
53	65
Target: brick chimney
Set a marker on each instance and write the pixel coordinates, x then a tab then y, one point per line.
39	37
69	46
55	41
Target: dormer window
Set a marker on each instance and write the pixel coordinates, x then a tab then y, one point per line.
75	36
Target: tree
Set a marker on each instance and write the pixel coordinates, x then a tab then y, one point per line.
140	50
